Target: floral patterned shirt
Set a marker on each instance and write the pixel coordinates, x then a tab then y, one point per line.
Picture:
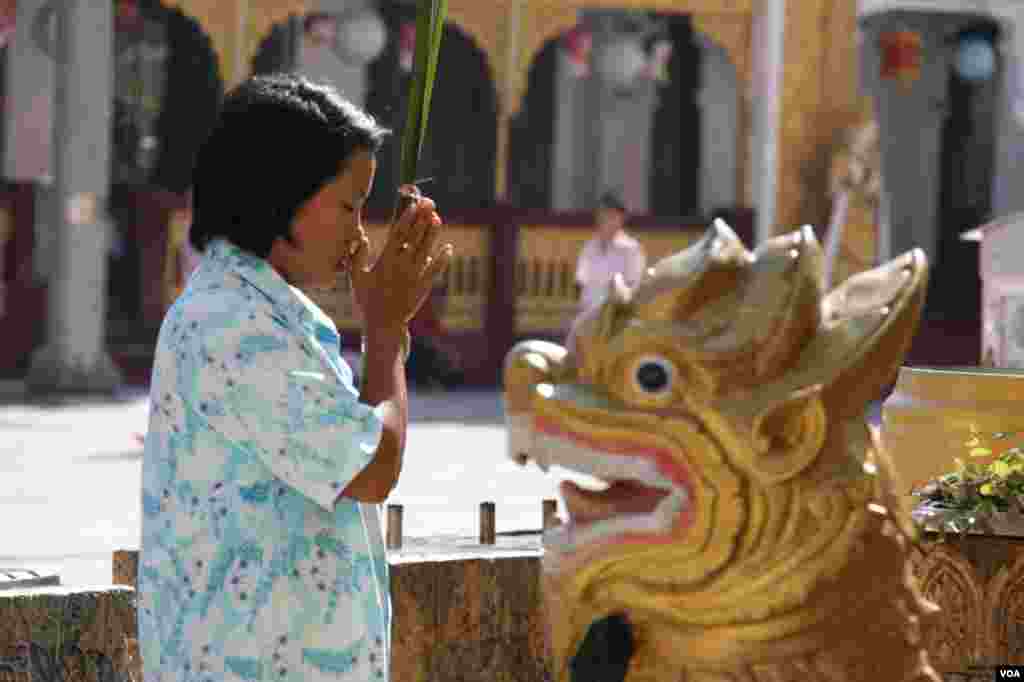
252	566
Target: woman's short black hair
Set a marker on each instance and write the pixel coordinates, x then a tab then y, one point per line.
278	139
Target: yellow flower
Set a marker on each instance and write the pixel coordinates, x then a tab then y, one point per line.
980	452
1017	467
1000	468
986	489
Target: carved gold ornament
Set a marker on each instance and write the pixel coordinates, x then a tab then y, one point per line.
749	530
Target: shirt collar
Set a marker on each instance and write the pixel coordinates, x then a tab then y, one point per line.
260	274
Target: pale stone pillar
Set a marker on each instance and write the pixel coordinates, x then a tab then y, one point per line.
569	188
74	357
719	115
769	41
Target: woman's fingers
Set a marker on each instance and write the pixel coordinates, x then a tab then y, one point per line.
360	258
407	233
359	262
437	264
428	237
432	270
400	229
419	229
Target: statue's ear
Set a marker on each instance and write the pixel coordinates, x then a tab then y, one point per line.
605	652
788	436
872	319
866	327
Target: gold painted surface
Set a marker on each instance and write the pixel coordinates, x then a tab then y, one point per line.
858	250
820	92
933	414
467	280
259	17
547	256
820	99
491	26
856	170
512	33
236	28
787	555
220	21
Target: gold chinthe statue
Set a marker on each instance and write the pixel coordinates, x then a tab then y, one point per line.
749	530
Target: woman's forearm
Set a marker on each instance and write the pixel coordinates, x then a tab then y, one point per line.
384	385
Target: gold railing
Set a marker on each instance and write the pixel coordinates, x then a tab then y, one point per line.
467	280
546	296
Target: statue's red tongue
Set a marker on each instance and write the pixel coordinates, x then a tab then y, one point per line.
621	497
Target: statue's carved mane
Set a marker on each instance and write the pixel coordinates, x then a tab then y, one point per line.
789	558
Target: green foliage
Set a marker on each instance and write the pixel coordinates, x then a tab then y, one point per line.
430	19
970	496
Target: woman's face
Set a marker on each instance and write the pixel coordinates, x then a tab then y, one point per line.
326	226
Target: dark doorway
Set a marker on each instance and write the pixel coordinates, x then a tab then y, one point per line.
532	134
458	154
953	307
168	92
676	153
968	153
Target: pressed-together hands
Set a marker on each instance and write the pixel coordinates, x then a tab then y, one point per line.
392	289
389	292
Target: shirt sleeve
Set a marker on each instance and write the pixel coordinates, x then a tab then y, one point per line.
582	265
307	426
637	265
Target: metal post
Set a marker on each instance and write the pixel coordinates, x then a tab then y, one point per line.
74	357
395	526
487	533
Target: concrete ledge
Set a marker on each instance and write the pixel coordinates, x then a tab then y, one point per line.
72	635
462	610
468	619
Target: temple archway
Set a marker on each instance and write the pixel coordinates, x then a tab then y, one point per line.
457	161
667	140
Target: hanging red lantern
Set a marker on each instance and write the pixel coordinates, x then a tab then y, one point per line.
901	55
406	45
8	17
127	16
578	43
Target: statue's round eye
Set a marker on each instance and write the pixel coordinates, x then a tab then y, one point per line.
654	375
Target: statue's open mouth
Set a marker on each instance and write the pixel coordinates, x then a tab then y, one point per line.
646	490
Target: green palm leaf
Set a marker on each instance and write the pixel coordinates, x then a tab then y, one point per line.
430	19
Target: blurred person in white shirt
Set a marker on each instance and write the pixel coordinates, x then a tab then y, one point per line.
611	251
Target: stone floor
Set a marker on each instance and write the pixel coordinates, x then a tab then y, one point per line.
70	471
